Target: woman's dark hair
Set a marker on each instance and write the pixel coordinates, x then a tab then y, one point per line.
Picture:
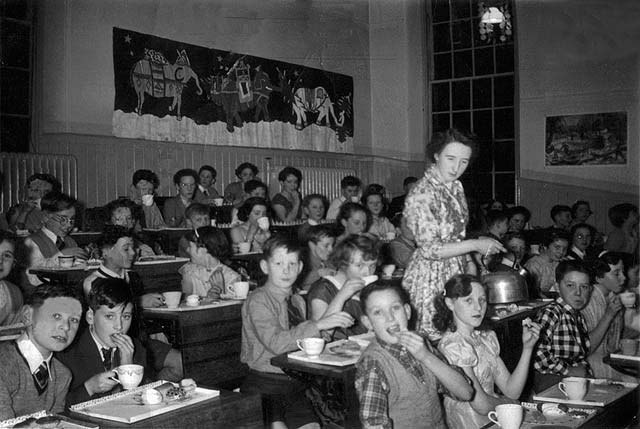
342	253
379	286
244	166
620	212
457	286
147	175
350	181
184	173
369	192
119	204
601	265
348	209
252	185
512	211
56	186
576	205
109	292
578	226
245	209
441	139
54	202
573	265
290	171
211	238
307	200
210	169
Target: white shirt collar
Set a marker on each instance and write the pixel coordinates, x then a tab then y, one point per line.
98	344
202	188
49	234
112	273
31	353
578	252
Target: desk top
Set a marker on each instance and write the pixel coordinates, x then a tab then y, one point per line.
284	362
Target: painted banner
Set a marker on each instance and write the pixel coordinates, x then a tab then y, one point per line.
172	91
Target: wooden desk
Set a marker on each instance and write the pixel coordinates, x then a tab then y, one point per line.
314	374
156	276
83	238
628	367
229	410
209	340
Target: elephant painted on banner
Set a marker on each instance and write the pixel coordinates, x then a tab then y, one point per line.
314	100
154	75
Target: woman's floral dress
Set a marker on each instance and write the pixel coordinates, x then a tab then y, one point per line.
436	214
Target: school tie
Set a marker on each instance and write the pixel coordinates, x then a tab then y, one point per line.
60	243
206	193
295	317
106	358
41	378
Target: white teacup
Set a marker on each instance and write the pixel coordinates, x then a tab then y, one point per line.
147	199
355	199
66	261
388	270
369	279
238	289
263	223
244	247
628	299
172	299
129	376
218	201
574	388
390	235
311	346
193	300
507	416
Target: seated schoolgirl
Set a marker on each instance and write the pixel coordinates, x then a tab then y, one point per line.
252	188
353	218
380	226
142	192
120	213
582	236
286	203
234	192
11	298
460	310
206	276
354	257
249	231
542	267
313	210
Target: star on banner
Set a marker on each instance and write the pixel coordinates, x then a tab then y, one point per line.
127	39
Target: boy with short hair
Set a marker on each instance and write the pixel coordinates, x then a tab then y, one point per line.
320	241
497	224
197	216
564	343
561	217
186	181
271	326
206	192
350	186
399	374
31	378
104	344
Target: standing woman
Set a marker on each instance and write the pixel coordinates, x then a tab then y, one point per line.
437	214
286	203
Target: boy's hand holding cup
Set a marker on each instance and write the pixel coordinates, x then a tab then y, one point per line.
263	223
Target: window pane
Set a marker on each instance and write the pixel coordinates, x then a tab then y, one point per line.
14	134
441	122
481	93
504	58
483	161
462	64
460	9
16	43
503	123
462	121
14	87
440	94
482	124
442	66
461	34
461	96
484	61
484	186
505	156
441	38
506	187
503	91
440	10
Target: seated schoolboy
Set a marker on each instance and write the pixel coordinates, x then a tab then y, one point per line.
519	217
270	326
206	192
320	240
497	224
117	247
561	217
397	204
604	315
582	236
104	344
350	188
313	210
542	267
120	213
52	240
186	181
402	247
564	343
142	191
624	235
28	214
234	192
197	215
11	298
31	378
399	375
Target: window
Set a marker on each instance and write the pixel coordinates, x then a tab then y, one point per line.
16	35
473	89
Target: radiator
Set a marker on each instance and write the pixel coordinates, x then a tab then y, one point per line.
17	167
315	180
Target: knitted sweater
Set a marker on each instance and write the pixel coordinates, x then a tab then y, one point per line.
18	394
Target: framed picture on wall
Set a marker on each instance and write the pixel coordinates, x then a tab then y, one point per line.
586	139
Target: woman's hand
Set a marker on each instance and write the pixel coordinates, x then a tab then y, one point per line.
488	246
530	333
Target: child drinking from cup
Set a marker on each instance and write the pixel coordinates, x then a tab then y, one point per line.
197	215
354	258
399	375
564	339
249	231
353	218
460	310
270	326
105	344
205	275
